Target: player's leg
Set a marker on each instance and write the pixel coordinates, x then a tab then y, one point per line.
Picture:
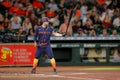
53	63
49	52
35	61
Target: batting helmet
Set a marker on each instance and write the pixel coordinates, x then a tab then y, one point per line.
44	19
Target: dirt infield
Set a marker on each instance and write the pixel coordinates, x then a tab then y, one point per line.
64	73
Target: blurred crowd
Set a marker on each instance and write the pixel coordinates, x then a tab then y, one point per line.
89	18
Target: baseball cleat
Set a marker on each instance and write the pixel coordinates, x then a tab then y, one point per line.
33	71
55	71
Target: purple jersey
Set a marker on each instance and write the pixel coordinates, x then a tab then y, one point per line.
42	35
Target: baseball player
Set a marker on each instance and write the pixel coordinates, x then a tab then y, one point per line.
42	43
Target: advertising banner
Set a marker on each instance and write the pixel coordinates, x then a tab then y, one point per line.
23	54
16	54
6	54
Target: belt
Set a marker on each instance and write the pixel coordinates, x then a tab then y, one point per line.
43	43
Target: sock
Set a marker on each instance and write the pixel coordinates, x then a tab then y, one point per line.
53	62
35	62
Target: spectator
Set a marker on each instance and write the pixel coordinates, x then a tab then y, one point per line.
30	32
77	11
77	26
75	19
46	7
19	33
61	6
84	11
37	12
113	4
115	14
26	25
104	33
26	3
37	23
116	22
106	12
80	33
93	14
97	21
118	3
7	15
62	14
55	21
2	8
114	33
63	28
15	25
50	13
82	2
16	16
1	22
90	12
92	33
91	3
85	19
116	58
53	5
94	9
107	21
88	26
21	11
33	19
70	5
62	11
42	11
29	11
14	8
6	25
1	18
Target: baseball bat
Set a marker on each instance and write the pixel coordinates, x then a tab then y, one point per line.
69	21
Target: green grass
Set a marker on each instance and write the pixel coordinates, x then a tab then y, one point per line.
102	69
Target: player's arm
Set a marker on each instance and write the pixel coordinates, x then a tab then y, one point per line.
54	33
57	34
35	37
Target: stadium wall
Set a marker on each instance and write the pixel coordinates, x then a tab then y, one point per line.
67	51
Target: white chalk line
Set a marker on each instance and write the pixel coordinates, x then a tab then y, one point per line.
75	73
46	76
69	77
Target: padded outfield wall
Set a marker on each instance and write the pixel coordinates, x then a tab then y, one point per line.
67	51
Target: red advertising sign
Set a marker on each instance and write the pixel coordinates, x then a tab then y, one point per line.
23	54
16	54
6	54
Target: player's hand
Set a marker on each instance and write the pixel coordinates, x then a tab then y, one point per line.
57	34
35	44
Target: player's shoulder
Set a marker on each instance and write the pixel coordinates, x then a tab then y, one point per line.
38	27
49	28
